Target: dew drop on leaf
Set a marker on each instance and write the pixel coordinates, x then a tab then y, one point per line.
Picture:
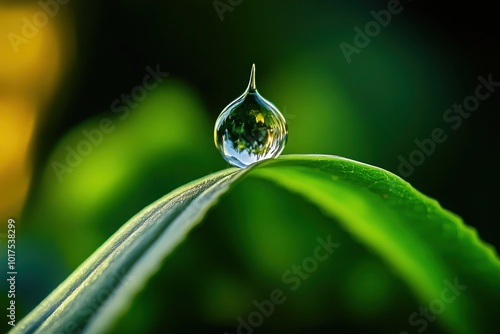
250	128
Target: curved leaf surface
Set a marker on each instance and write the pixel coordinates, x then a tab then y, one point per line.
429	247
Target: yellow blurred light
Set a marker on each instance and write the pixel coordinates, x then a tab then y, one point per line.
16	131
30	69
34	66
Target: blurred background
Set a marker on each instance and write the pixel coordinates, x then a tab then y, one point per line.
105	106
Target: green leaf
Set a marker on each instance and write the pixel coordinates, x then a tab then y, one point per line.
429	247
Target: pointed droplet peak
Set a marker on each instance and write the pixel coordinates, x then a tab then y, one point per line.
251	83
250	128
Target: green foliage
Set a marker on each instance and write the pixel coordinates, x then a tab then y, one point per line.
421	242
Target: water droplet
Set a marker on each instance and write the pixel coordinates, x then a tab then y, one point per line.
250	128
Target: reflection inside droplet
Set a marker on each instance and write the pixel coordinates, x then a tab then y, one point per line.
250	128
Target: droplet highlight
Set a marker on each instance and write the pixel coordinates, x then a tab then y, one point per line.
250	128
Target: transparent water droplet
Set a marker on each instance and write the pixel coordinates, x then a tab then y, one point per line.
250	128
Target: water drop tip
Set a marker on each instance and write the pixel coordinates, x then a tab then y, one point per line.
251	84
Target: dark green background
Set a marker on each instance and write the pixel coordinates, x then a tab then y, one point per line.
395	91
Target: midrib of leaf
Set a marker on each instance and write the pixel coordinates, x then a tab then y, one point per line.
136	249
335	184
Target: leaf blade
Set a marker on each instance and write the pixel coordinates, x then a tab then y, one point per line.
108	266
373	205
418	261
